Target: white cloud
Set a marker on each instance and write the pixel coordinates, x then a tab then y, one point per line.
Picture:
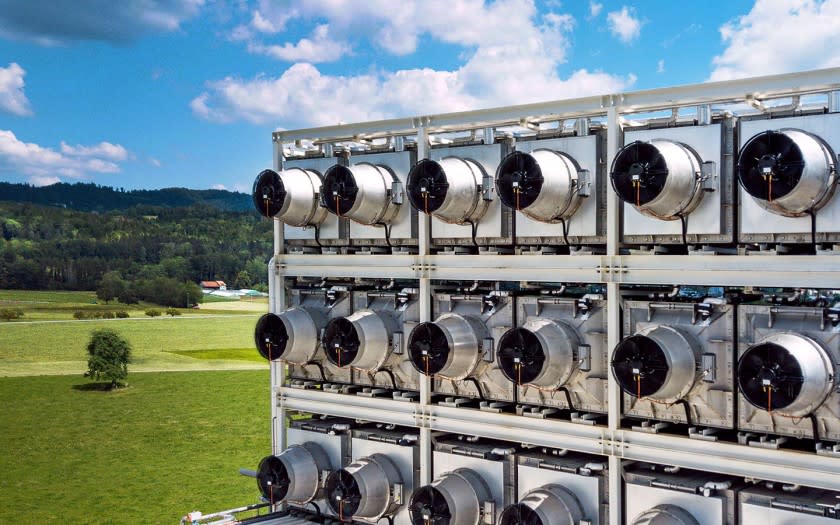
12	98
595	9
320	48
660	66
779	36
54	23
104	150
511	55
624	25
155	162
218	187
43	180
46	164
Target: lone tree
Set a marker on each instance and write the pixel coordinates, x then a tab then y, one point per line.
108	357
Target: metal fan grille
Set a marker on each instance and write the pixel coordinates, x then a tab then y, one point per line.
638	173
273	479
428	348
770	165
520	514
519	180
428	507
427	186
271	337
339	190
268	193
521	355
341	341
640	366
343	493
769	376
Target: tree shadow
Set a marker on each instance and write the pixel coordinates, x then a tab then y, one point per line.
102	386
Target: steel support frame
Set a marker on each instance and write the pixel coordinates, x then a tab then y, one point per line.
612	269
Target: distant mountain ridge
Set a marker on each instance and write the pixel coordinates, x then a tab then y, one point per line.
92	197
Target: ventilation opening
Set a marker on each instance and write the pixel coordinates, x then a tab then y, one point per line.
428	507
428	348
770	165
521	355
427	186
273	479
339	190
343	493
519	180
639	172
769	376
340	341
520	514
640	366
271	337
268	193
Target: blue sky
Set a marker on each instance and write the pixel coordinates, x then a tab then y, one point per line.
161	93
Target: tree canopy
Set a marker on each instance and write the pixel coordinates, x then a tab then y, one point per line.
108	356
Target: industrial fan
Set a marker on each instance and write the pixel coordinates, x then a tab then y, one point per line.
639	173
271	336
521	355
273	479
770	165
343	493
428	507
340	341
520	514
338	194
519	180
427	186
665	514
640	366
769	376
269	193
428	348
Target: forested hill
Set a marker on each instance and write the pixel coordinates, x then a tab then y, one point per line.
47	247
92	197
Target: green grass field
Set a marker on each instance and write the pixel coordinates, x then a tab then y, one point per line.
168	444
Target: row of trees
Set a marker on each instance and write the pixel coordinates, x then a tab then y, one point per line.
166	291
60	249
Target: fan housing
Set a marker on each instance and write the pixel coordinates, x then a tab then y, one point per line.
548	505
657	362
290	196
786	373
361	193
449	189
456	498
364	488
788	172
544	184
542	353
290	336
665	514
660	178
361	340
449	347
294	474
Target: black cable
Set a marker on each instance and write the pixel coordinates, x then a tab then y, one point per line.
387	233
390	374
568	397
565	226
318	235
684	224
815	428
319	366
389	518
317	509
474	229
813	215
477	385
687	408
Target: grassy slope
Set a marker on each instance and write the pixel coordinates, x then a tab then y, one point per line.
168	444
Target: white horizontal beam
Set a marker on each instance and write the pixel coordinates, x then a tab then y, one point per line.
355	407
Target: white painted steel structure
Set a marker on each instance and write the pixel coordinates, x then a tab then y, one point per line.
612	269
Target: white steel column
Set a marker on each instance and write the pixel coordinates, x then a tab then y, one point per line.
613	322
424	233
277	303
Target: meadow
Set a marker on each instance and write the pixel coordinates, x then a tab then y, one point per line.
194	411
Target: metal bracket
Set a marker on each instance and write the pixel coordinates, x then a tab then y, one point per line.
585	358
708	364
584	183
487	348
709	176
487	187
702	310
397	192
830	315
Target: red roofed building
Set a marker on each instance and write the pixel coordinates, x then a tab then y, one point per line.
213	285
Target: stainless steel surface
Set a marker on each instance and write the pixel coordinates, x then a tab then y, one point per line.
665	515
302	326
554	504
373	203
304	464
375	475
465	493
560	343
464	335
559	196
374	338
330	228
576	473
463	200
300	205
403	226
682	354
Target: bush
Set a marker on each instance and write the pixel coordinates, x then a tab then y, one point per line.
10	314
172	312
108	315
153	312
122	314
81	314
108	356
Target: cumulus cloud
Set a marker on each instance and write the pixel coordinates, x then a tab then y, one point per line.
512	54
12	98
595	9
756	46
218	187
624	25
46	164
660	66
53	23
43	180
320	48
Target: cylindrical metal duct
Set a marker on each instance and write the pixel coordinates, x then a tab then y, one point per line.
456	498
665	515
449	347
548	505
363	488
789	172
290	196
449	189
361	192
661	178
293	475
542	353
361	340
291	335
787	373
658	362
542	184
